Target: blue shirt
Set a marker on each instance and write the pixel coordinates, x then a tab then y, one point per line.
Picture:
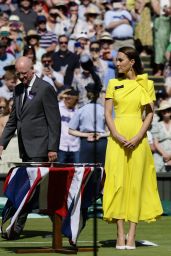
84	120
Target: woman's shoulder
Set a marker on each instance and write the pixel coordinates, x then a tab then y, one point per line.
115	80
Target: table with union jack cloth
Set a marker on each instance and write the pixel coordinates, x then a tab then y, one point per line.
65	192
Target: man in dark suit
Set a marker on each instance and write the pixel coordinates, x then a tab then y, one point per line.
35	115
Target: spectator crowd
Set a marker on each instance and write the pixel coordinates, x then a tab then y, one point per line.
73	45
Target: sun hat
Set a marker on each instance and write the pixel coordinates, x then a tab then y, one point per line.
106	36
60	3
164	105
82	35
14	18
32	34
92	10
98	22
4	31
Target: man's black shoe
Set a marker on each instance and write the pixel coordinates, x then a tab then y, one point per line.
13	236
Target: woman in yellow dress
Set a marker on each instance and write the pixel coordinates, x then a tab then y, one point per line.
130	190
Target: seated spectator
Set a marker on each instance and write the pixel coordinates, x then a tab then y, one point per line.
69	145
48	39
16	29
32	38
30	52
99	29
40	7
65	61
85	4
78	49
26	14
99	64
162	30
9	82
5	38
5	7
161	132
167	68
118	22
108	54
5	57
143	33
57	21
47	70
84	41
77	25
4	18
91	14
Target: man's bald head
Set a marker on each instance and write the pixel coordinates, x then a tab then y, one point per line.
24	69
23	62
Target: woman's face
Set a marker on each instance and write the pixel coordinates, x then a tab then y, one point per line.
95	51
123	64
33	41
166	114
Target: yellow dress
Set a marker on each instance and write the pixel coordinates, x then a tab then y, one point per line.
130	190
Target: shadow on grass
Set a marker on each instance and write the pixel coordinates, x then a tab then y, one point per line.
30	234
23	248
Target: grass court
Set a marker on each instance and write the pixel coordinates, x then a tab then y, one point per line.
37	234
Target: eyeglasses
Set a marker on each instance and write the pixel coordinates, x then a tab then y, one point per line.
63	42
95	49
68	98
2	107
53	14
46	61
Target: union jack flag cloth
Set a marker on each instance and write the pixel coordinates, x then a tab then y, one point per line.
66	191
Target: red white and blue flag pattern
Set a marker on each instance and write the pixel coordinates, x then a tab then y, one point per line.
66	191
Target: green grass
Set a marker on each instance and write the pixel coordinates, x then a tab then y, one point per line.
36	229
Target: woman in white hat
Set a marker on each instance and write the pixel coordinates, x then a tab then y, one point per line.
161	132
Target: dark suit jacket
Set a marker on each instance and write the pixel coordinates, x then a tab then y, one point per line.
38	123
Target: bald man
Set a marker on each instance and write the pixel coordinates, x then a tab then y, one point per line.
36	117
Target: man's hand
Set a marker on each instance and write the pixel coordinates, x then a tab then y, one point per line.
52	156
1	149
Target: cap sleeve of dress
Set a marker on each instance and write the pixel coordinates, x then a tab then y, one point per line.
110	89
148	93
